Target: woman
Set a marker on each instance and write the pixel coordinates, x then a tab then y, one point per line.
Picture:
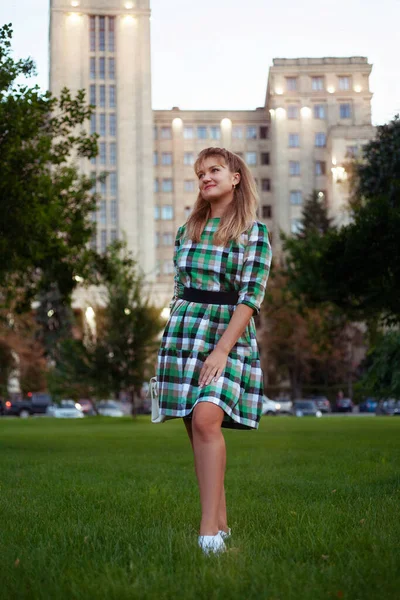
208	365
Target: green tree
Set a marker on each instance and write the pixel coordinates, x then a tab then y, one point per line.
314	217
45	202
382	367
120	355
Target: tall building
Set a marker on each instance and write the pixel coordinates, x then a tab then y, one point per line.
316	116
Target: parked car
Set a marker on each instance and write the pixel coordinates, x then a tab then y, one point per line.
284	405
322	403
344	405
389	407
306	408
109	408
86	407
269	407
369	405
36	404
67	409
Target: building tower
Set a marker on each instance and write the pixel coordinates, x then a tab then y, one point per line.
103	46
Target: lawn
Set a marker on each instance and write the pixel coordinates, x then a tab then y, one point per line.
108	508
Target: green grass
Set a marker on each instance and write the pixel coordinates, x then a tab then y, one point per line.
108	508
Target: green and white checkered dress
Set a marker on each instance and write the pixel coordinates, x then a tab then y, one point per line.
194	329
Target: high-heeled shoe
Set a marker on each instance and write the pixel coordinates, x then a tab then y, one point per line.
225	534
212	544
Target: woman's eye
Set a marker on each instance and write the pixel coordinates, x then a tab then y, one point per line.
215	169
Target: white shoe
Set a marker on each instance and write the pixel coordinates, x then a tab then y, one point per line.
212	544
225	534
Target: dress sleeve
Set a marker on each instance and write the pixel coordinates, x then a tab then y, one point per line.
178	286
256	266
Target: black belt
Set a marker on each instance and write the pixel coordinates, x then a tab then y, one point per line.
206	297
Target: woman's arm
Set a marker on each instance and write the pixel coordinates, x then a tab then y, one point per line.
216	361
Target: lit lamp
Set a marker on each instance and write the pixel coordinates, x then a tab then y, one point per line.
278	91
177	123
280	112
128	5
357	88
305	111
331	89
339	174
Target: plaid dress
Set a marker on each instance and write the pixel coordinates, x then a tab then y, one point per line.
193	329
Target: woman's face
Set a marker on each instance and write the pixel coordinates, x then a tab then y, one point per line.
216	181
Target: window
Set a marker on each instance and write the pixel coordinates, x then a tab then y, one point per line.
319	111
168	267
103	240
167	212
156	239
215	132
296	197
93	123
320	167
344	83
113	124
295	226
103	188
156	212
237	132
317	83
189	185
113	153
113	235
251	133
93	242
92	27
351	151
166	158
263	132
155	158
102	34
93	94
266	185
156	185
92	68
293	111
267	211
291	84
111	68
320	140
102	149
294	140
188	158
102	67
102	212
265	158
111	99
168	239
188	133
166	133
102	91
93	178
345	111
102	126
294	168
202	132
113	212
111	34
167	185
251	158
113	184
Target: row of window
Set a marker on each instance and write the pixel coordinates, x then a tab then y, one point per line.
98	124
164	239
296	196
107	154
320	111
319	140
103	215
190	185
105	239
102	68
165	213
101	30
203	132
100	93
319	168
167	267
318	83
166	158
110	184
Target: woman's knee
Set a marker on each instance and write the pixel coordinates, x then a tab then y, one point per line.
207	419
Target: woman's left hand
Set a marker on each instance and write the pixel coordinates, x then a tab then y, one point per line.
213	367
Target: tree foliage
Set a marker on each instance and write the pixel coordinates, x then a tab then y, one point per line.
44	201
382	367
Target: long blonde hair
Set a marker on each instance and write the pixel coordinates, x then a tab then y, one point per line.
239	214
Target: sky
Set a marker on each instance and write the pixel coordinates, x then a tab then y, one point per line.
215	54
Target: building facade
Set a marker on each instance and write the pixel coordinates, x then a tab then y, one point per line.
317	115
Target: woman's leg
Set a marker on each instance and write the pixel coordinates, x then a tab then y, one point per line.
222	516
210	457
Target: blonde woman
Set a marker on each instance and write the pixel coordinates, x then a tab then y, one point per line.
208	364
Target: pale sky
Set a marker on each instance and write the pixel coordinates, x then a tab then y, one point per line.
215	54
